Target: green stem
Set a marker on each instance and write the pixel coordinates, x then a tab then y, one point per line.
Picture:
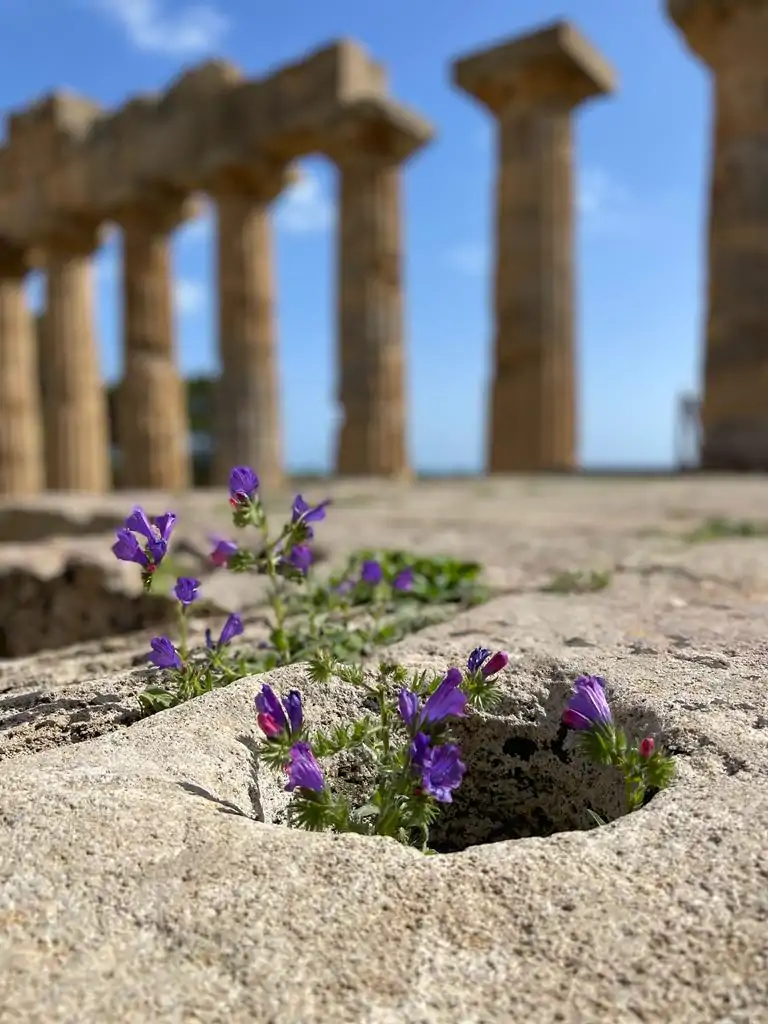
183	631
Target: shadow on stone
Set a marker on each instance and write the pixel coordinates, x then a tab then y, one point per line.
526	780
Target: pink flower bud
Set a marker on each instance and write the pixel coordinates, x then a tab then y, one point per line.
268	725
647	746
499	661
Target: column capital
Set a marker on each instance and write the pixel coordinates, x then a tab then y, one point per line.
377	132
264	181
709	27
161	211
554	65
14	260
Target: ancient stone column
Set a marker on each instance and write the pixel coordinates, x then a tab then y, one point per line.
153	423
22	469
371	358
732	38
531	85
74	397
247	407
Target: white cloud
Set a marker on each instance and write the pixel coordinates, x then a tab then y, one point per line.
191	296
196	29
304	208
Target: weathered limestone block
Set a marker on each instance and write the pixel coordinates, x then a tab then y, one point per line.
247	408
21	437
153	425
531	85
79	600
370	145
74	398
732	39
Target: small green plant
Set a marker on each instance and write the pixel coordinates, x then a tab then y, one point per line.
719	528
378	597
406	743
578	582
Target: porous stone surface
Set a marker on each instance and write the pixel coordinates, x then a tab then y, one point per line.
144	875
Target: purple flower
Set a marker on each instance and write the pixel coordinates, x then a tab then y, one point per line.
478	661
303	771
587	705
243	484
345	586
303	512
157	536
301	557
447	700
232	627
371	572
440	767
276	718
223	551
404	579
128	549
164	654
186	590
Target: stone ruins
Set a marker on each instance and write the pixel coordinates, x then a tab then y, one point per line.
67	169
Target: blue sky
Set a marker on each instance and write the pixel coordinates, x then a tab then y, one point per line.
642	160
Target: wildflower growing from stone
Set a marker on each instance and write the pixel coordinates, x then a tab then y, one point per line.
303	512
276	718
186	590
403	580
301	558
371	572
447	700
164	654
645	769
439	768
243	485
482	660
647	747
303	770
588	705
223	551
232	627
156	536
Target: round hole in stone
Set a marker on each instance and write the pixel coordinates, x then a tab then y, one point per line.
526	779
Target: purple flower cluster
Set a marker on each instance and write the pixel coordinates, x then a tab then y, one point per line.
587	705
438	768
278	720
484	662
232	627
144	541
243	485
372	574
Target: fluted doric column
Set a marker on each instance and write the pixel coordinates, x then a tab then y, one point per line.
369	151
247	400
152	408
531	85
74	397
732	38
22	470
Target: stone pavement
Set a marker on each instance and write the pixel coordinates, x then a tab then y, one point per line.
143	877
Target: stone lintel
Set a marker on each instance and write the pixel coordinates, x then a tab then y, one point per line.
377	128
61	113
702	22
15	262
555	62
